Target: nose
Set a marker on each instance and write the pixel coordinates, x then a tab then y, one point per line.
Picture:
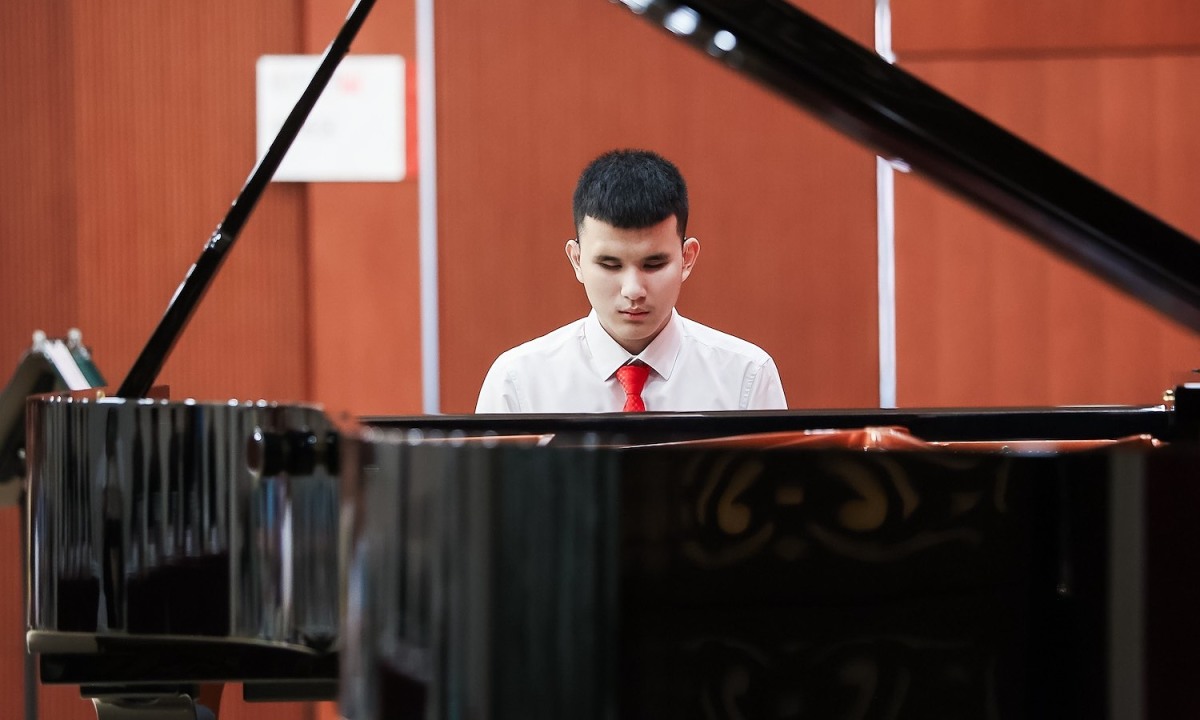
633	285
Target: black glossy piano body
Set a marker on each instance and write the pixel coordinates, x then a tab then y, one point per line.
179	543
601	576
636	566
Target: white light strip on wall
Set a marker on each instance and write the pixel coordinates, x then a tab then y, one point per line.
885	201
885	192
431	385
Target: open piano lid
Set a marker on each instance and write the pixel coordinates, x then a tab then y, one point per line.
860	94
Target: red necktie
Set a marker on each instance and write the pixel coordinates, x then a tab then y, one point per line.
633	379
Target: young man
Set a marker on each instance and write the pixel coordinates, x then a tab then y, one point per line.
633	351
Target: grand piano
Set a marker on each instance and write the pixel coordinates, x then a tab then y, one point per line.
880	564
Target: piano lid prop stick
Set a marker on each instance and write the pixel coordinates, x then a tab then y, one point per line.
147	366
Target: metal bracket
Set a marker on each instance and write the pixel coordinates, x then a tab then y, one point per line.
169	707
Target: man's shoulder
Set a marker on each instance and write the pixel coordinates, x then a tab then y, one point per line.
722	342
545	347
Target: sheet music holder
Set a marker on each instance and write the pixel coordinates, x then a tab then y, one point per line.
50	364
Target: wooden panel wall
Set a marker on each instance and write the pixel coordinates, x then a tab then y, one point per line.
1035	26
529	92
36	231
363	284
160	158
985	316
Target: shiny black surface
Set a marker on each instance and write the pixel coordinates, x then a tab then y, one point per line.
881	105
931	424
676	582
148	664
181	542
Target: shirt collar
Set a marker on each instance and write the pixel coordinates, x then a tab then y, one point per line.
607	355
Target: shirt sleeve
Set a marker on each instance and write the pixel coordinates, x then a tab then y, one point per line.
499	393
767	393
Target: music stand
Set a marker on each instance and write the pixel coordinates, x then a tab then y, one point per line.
51	364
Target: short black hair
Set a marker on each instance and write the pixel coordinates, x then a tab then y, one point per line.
631	189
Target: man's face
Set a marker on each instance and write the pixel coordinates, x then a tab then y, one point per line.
632	276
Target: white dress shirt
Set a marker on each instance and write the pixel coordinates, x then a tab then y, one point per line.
573	370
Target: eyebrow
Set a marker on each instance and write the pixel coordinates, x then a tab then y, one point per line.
649	258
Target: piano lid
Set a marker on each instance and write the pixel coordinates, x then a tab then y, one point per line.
863	96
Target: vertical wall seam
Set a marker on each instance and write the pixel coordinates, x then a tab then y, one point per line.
885	208
427	209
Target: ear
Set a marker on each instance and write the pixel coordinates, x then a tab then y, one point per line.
691	251
572	250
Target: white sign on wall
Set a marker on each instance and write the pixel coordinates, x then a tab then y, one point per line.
356	131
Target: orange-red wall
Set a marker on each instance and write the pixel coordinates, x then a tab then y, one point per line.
985	317
127	128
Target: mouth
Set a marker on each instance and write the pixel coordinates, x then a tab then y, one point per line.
635	314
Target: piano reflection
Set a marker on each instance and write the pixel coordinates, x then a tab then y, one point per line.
1004	563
